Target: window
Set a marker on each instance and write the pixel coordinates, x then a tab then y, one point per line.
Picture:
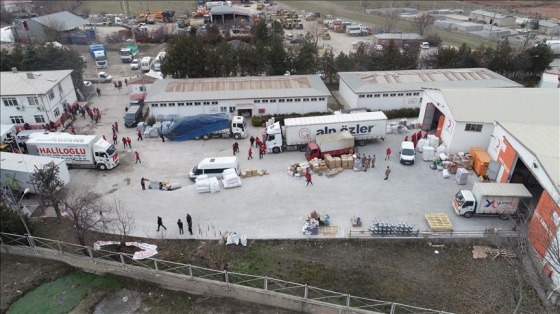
155	105
322	99
56	113
257	101
39	119
408	94
369	95
223	109
393	95
189	104
232	109
171	104
377	95
206	103
273	100
141	88
289	100
313	99
60	88
473	127
400	94
16	119
281	100
416	94
265	101
306	99
214	103
197	103
180	104
10	101
362	96
297	99
51	94
33	101
385	95
163	105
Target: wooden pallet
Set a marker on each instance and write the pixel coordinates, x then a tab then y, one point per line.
501	252
328	230
439	222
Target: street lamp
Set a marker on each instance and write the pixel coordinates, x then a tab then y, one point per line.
21	212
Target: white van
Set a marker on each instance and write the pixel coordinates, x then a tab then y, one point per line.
214	166
145	64
425	45
407	153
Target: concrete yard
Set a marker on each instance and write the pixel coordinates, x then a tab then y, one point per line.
273	206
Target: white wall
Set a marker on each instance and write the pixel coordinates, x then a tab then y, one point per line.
136	88
348	94
384	102
462	140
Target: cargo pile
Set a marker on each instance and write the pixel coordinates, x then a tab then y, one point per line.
205	184
230	179
253	173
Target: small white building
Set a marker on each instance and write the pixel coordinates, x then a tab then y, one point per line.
492	18
465	118
389	90
35	98
241	95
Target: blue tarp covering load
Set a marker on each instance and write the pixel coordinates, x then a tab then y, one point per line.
188	128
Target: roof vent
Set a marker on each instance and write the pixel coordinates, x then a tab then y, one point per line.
30	76
14	70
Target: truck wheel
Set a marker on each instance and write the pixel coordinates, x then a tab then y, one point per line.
361	143
468	215
276	150
102	167
205	137
302	148
197	138
237	136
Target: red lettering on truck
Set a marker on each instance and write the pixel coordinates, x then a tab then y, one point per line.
61	151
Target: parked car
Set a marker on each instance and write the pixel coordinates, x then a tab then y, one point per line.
135	64
157	65
358	42
378	47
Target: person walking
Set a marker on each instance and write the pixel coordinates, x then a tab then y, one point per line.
137	156
363	160
413	137
125	82
124	142
98	91
143	183
308	179
388	153
116	127
373	161
115	139
160	223
189	223
140	138
261	152
252	140
419	135
368	161
180	224
233	148
236	147
73	129
250	153
113	129
387	172
129	142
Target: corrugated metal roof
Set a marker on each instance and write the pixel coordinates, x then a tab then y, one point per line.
493	15
407	36
405	80
350	117
19	84
226	9
541	140
237	88
61	21
486	105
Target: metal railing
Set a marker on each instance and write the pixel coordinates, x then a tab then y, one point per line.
324	297
489	233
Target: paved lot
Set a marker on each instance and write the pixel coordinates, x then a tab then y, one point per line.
271	206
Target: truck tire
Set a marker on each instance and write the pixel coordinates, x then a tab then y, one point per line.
468	214
361	143
197	138
205	137
237	136
302	148
276	150
102	167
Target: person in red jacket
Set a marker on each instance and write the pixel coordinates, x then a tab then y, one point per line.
388	153
140	138
124	141
137	156
250	153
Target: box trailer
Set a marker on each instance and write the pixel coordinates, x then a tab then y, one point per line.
501	199
18	169
334	144
298	132
79	151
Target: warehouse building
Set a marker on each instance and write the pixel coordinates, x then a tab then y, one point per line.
389	90
493	18
520	131
240	95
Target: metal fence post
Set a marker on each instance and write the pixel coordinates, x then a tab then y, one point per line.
90	253
226	277
122	259
60	247
265	283
305	292
348	300
31	242
392	307
155	265
190	270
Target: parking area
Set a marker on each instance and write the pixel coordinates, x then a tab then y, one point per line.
273	206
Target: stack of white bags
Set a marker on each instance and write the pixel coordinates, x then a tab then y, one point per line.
205	184
230	179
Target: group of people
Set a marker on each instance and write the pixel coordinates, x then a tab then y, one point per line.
94	114
179	224
366	161
416	137
256	142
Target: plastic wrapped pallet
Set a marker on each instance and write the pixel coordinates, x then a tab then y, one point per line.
433	140
428	153
462	176
421	144
441	148
201	177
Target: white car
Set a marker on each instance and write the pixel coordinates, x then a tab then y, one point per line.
378	47
135	64
157	65
358	42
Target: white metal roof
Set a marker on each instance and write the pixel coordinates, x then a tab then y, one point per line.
61	21
543	141
19	84
349	117
14	162
486	105
407	80
510	189
256	87
493	15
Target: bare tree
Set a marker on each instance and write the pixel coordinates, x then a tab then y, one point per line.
48	184
87	211
422	22
391	19
123	223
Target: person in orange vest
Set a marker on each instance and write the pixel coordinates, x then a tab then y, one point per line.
115	139
129	141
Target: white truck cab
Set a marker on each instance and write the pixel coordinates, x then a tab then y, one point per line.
464	202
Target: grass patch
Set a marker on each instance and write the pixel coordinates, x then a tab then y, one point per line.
62	295
115	7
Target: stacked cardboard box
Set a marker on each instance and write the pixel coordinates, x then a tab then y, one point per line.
347	161
337	162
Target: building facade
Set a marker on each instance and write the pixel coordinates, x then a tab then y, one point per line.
241	95
33	99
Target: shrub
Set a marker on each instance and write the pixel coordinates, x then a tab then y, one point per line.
10	222
151	120
402	113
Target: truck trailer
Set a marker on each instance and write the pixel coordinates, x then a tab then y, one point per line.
334	144
500	199
18	169
298	132
206	126
128	53
99	54
79	151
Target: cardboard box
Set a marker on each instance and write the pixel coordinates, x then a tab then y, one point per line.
254	172
337	162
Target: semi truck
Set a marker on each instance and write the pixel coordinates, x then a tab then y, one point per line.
99	54
206	126
18	169
79	151
128	53
298	132
500	199
334	144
